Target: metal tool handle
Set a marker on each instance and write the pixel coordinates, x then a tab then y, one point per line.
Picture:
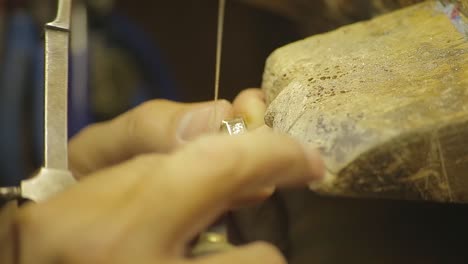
56	88
54	176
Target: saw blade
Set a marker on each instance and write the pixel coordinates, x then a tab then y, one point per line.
219	53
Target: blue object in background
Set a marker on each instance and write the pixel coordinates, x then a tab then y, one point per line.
79	112
22	86
21	39
38	106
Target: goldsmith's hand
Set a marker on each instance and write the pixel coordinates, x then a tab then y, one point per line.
147	209
157	126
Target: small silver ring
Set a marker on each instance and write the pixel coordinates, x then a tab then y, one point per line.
234	127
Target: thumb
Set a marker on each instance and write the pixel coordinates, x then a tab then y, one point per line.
259	252
156	126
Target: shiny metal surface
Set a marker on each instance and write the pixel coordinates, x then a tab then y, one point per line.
46	184
10	193
219	50
211	243
234	127
54	176
63	18
56	88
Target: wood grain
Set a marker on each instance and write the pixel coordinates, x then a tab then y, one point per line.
385	101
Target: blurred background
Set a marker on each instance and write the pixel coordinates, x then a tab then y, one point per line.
126	52
123	53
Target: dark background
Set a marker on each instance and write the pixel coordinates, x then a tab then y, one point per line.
185	31
309	229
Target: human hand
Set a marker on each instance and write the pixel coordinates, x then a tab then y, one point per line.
147	209
157	126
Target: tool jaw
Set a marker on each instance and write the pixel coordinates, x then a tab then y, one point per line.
62	20
47	183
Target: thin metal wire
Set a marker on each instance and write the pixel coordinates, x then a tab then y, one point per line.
219	52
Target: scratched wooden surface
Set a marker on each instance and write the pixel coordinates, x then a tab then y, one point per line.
385	101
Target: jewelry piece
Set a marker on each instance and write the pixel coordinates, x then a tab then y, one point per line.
234	127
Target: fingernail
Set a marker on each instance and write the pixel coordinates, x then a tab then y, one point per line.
316	164
203	120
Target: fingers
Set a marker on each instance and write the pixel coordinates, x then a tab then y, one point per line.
252	254
250	104
259	159
215	172
196	184
167	199
156	126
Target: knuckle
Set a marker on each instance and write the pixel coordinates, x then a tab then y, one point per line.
153	104
137	119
